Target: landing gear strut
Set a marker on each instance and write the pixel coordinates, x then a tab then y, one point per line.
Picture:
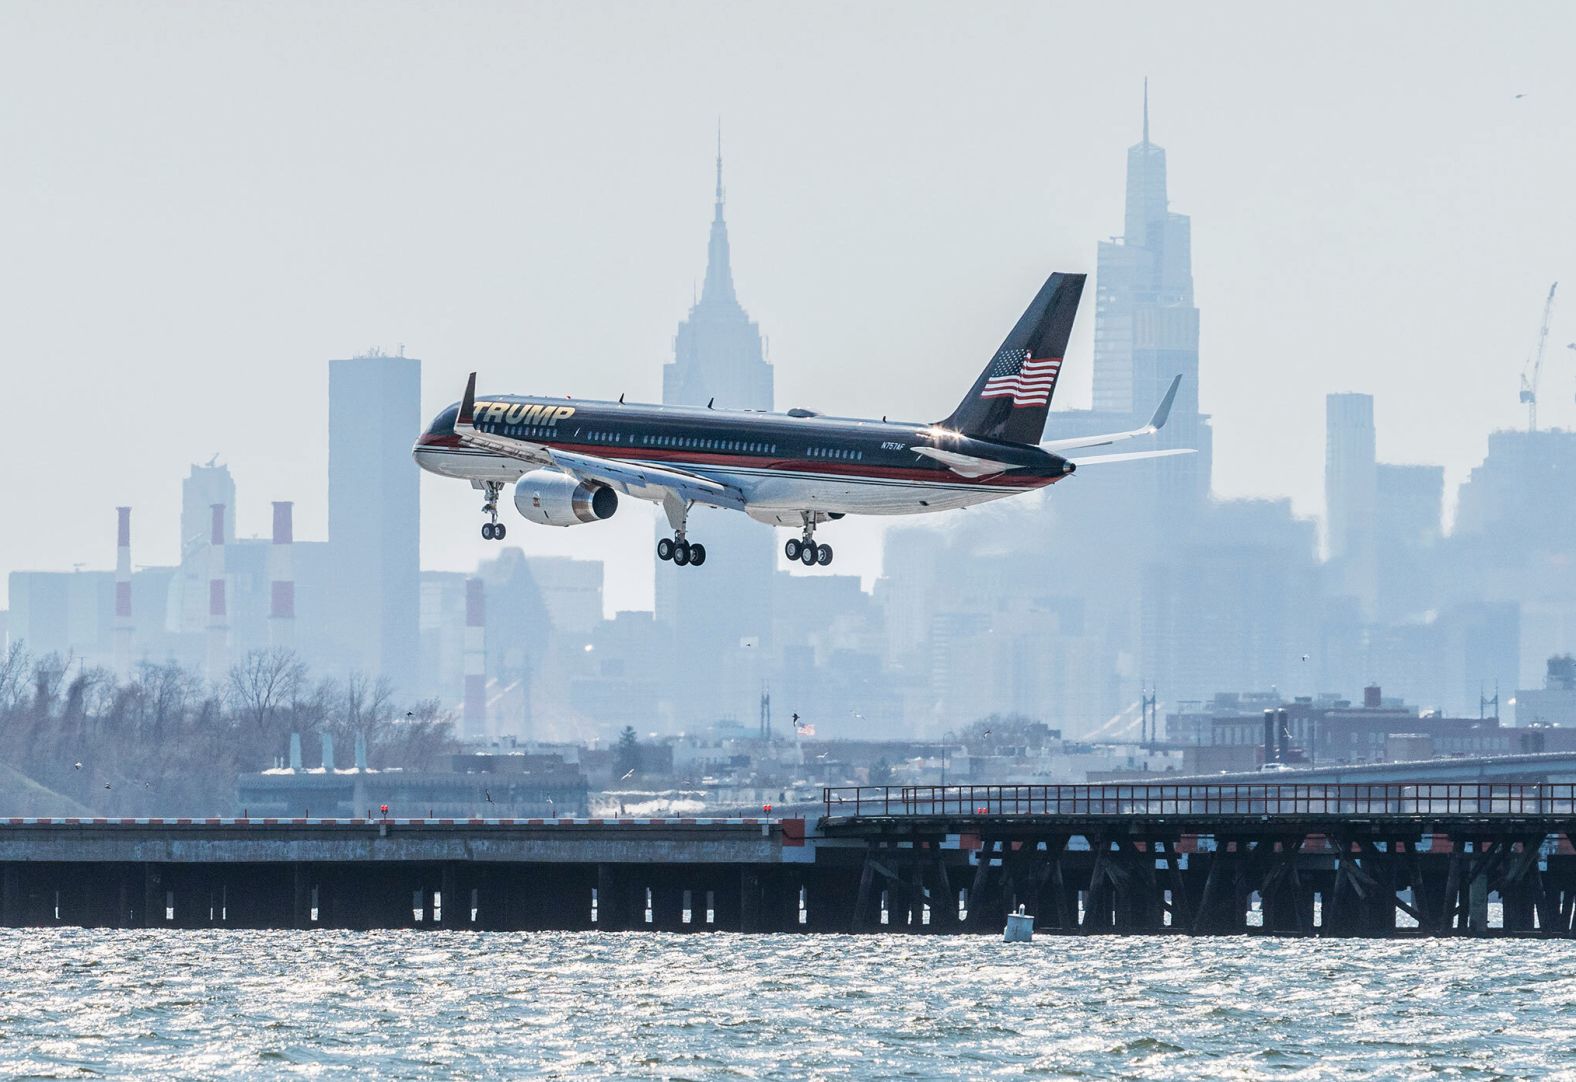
678	548
804	549
492	530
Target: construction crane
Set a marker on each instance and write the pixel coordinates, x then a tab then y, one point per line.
1534	367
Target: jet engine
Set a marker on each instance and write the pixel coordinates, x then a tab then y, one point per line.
551	498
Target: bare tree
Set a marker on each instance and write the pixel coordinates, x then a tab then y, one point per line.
14	665
262	684
368	704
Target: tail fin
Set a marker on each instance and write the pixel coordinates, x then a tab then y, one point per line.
1012	396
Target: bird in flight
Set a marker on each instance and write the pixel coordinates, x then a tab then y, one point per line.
76	766
630	773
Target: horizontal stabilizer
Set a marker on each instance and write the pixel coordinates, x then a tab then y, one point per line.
1156	423
964	465
1131	456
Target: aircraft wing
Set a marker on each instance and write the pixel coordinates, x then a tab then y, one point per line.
655	483
1156	423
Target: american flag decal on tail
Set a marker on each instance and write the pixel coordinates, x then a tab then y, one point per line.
1027	380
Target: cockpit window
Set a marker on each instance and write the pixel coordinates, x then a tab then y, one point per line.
443	424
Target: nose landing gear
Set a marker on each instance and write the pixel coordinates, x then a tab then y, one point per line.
492	530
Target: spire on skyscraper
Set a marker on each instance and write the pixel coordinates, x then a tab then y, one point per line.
719	270
1146	124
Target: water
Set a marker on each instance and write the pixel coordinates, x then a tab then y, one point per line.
227	1004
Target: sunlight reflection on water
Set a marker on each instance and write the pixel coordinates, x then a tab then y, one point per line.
646	1005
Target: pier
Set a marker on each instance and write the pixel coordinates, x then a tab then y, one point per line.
1189	859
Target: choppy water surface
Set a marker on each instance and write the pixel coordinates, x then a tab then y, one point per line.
427	1005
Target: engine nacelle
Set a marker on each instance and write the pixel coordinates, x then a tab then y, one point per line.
551	498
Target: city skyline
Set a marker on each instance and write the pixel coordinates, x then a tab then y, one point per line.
879	270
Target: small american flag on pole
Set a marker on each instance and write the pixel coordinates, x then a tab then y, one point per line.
1027	380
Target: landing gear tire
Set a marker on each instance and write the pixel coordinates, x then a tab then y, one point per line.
823	555
792	548
682	553
807	555
697	554
665	549
492	529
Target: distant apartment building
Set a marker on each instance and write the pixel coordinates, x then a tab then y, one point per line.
1555	702
1231	732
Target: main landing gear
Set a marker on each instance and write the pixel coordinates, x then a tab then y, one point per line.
805	550
492	530
682	551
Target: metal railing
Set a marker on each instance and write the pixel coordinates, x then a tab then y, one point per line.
1259	798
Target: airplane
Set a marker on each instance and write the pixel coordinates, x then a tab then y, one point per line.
569	459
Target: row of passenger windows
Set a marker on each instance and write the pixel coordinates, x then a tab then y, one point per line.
689	443
696	443
522	432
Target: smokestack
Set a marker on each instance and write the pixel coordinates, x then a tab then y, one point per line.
1283	733
281	576
474	716
328	753
295	751
123	629
1269	736
218	621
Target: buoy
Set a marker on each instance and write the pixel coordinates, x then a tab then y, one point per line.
1020	927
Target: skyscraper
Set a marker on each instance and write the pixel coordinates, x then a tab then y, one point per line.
718	355
374	405
1146	332
1351	479
1351	493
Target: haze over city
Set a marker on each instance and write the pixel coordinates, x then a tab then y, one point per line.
771	512
199	206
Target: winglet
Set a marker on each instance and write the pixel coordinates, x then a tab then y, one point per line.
467	414
1163	411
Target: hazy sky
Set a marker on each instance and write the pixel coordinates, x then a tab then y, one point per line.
201	203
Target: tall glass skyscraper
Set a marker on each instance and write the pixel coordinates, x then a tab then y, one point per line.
1146	332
